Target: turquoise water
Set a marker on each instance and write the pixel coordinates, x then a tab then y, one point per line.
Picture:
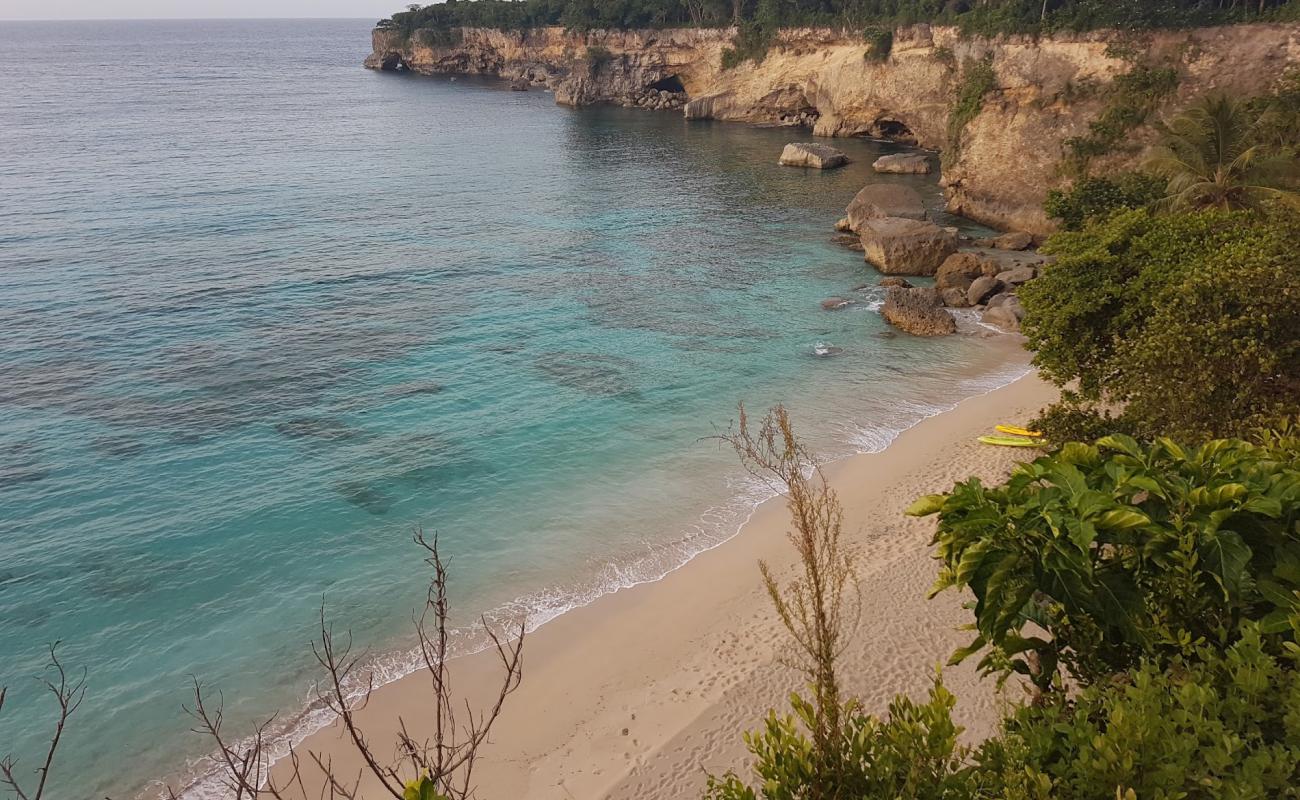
264	312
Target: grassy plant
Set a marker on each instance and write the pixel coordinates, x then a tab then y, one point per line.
816	606
977	80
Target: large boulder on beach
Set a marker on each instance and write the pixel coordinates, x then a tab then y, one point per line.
898	246
1016	276
982	288
917	311
809	154
1006	315
903	163
1015	240
958	270
879	200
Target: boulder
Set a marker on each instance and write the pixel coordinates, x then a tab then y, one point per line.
917	311
878	200
958	270
519	84
1017	276
895	281
835	303
842	225
1001	317
898	246
982	288
816	156
998	299
903	163
1016	240
954	297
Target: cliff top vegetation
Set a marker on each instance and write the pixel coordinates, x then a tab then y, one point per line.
973	16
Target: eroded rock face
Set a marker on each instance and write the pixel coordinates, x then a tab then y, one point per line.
903	163
898	246
877	200
818	78
918	311
814	156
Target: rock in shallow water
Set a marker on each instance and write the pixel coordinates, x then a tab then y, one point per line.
809	154
903	163
898	246
878	200
917	311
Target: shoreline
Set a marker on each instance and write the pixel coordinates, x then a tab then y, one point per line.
395	666
634	694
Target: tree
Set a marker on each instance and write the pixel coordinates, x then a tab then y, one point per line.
1186	323
1213	157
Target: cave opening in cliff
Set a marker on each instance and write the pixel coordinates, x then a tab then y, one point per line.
892	130
670	84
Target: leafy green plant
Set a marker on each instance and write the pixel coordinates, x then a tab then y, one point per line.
977	80
912	753
422	789
1094	198
751	43
1098	556
1185	322
1213	724
880	41
598	56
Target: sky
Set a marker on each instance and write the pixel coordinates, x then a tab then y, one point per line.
183	9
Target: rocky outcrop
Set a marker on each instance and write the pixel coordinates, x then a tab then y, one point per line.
815	156
898	246
917	311
1048	88
877	200
903	164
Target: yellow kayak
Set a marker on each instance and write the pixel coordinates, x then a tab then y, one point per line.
1010	441
1013	430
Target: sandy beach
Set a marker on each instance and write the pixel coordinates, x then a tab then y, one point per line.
641	693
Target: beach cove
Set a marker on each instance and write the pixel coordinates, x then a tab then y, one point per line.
262	343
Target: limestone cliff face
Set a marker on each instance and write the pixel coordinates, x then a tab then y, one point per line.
1047	89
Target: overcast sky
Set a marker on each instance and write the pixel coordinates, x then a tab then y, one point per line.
172	9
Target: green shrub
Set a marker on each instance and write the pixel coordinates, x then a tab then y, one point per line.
1188	321
598	56
880	41
1117	552
1213	725
751	44
913	753
1074	421
977	80
1094	198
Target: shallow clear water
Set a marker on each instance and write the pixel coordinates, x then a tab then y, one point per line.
264	312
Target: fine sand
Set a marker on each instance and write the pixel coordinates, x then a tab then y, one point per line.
642	692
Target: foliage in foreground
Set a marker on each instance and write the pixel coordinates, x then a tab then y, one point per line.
1091	198
1187	322
912	753
1212	724
1099	556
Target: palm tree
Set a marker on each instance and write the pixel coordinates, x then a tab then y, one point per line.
1213	157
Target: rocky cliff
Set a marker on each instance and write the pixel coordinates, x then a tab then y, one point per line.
1044	90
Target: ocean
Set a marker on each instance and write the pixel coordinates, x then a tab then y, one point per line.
266	312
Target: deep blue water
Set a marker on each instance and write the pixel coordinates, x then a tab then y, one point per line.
265	311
